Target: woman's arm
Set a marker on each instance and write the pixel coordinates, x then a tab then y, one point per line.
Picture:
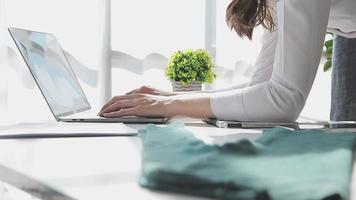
190	105
265	60
264	64
301	32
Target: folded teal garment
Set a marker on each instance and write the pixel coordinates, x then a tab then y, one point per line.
281	164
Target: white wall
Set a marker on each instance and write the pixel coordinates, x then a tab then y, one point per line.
319	100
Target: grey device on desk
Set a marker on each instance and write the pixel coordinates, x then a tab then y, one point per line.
240	124
56	80
294	125
332	124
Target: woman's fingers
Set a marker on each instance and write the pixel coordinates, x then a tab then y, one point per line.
107	104
115	99
122	112
137	105
120	104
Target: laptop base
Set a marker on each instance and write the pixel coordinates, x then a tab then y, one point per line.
127	120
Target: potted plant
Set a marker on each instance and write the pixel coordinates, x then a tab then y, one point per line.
188	69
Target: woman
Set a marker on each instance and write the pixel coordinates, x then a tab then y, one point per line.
284	72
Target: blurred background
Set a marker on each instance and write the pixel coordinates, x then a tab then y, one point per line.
124	44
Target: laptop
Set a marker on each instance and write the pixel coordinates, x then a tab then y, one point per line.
57	82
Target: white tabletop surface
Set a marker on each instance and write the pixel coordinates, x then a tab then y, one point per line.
93	168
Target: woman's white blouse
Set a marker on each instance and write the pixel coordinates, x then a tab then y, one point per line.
286	67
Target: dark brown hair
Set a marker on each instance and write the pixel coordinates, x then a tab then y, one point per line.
244	15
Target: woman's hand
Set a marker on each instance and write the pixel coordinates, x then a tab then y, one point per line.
147	105
150	90
137	104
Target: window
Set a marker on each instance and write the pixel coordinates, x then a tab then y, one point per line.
146	33
143	36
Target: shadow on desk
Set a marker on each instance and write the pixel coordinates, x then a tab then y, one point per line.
29	185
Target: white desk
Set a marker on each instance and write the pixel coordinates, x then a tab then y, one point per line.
95	168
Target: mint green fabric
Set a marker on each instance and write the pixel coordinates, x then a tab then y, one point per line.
281	164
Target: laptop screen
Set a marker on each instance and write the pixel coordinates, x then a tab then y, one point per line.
51	71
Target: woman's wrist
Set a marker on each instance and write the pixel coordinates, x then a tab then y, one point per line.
197	106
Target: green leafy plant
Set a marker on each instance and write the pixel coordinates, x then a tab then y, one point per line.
328	52
191	66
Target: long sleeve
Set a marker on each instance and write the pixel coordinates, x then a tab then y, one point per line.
264	63
301	30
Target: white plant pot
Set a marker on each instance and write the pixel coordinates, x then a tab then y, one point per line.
178	87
